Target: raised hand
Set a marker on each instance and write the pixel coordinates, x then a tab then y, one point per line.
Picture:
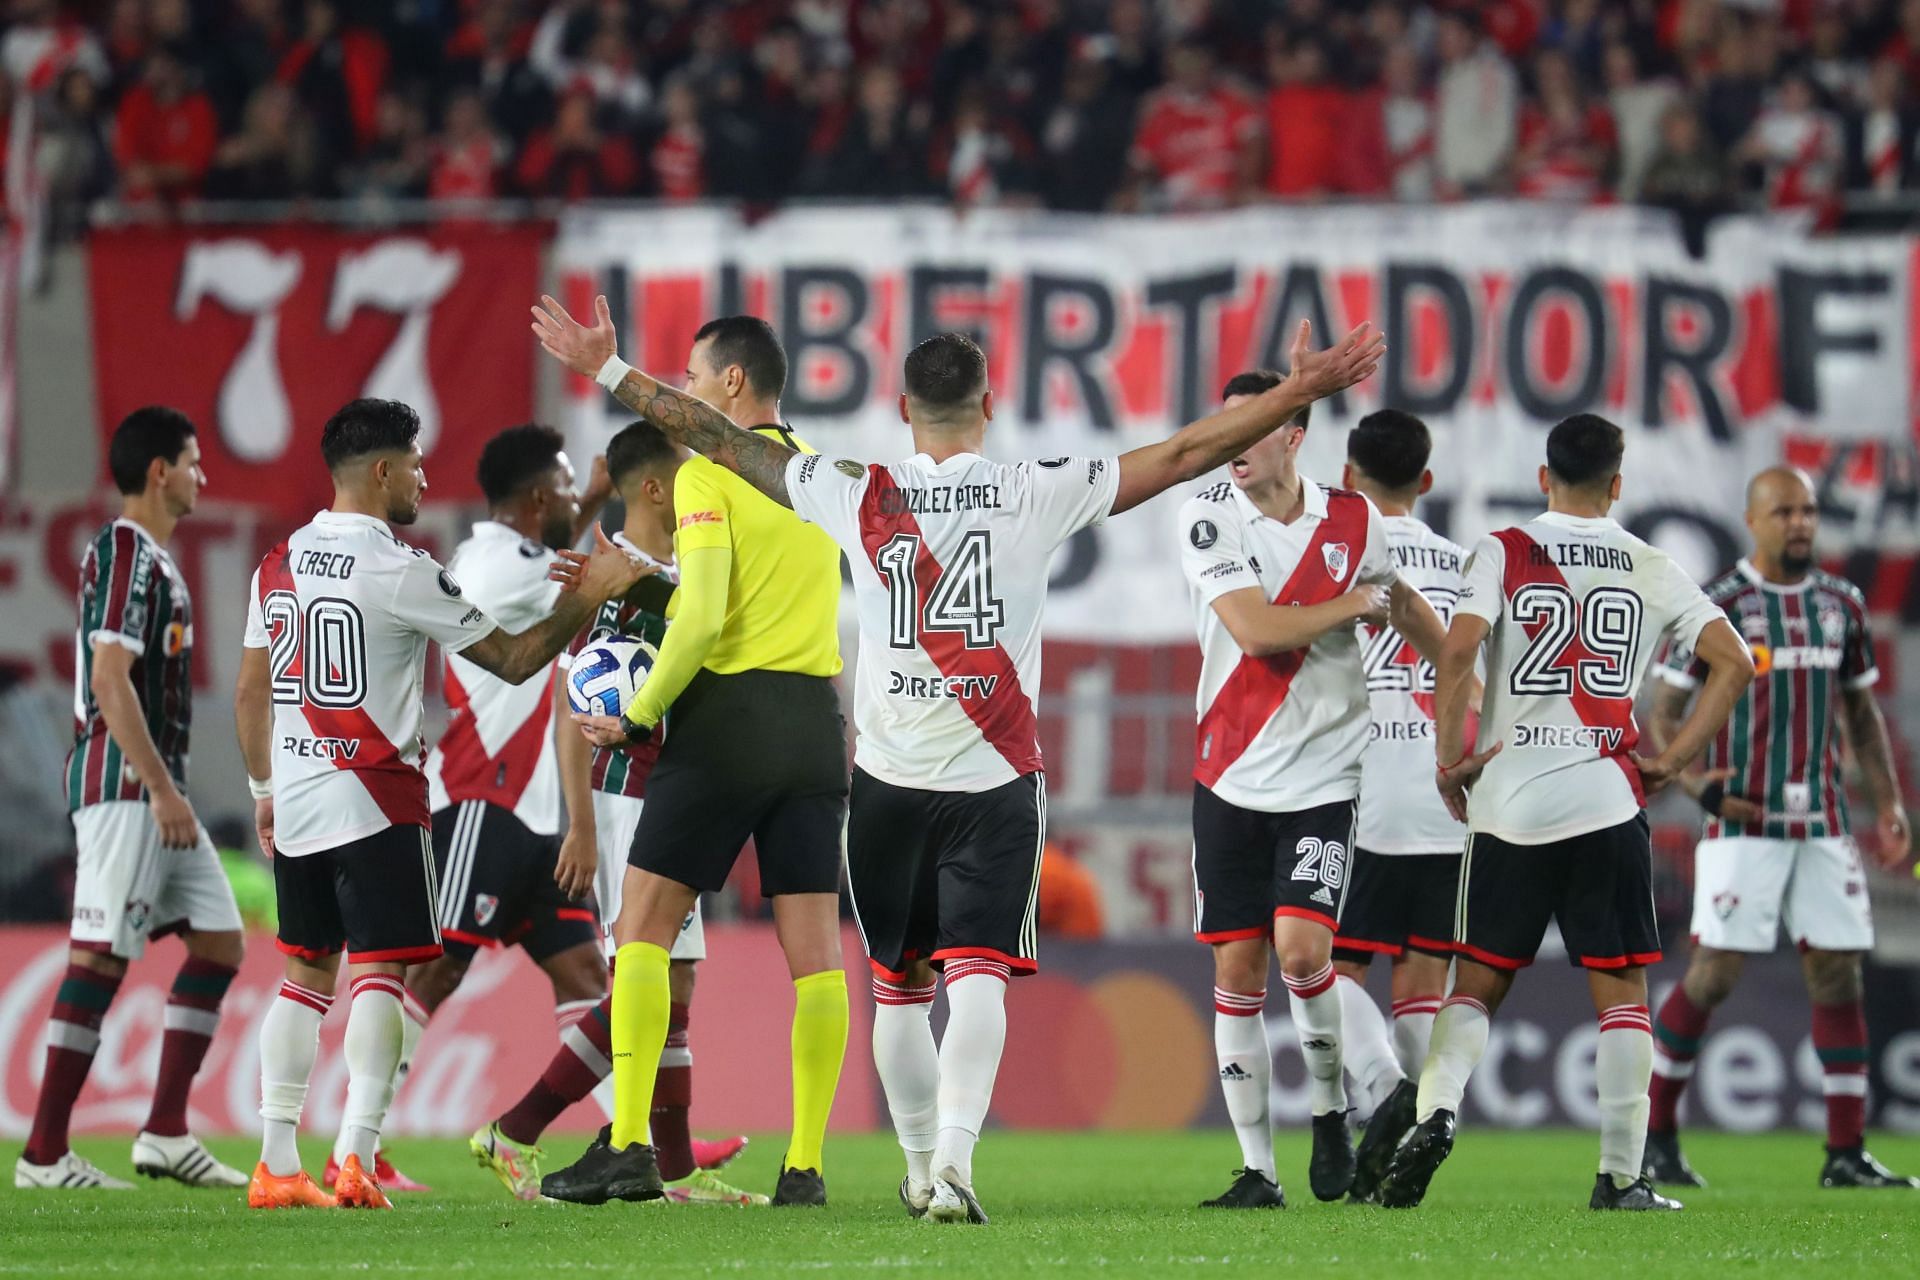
1457	779
617	572
573	344
1321	373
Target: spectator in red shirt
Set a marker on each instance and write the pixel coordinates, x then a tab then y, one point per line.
1197	143
1304	122
337	73
466	162
1567	143
165	133
677	160
573	160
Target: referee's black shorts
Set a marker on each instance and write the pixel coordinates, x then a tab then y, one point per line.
760	754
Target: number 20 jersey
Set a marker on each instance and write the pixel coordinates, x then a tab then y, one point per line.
344	610
1577	608
950	563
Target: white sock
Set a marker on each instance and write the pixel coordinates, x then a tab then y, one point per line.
1316	1015
1364	1045
376	1026
969	1060
1413	1031
411	1030
289	1042
909	1066
1246	1073
1622	1070
1459	1042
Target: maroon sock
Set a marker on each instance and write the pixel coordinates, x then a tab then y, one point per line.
192	1017
583	1060
73	1036
1676	1043
1840	1041
672	1096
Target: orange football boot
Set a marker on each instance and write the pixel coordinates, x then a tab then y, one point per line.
295	1191
356	1189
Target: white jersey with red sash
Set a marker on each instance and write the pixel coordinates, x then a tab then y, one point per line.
1282	733
950	564
1577	607
344	610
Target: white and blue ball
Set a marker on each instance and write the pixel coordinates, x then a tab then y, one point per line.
607	674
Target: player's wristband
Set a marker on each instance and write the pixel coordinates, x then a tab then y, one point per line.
1713	796
260	790
613	372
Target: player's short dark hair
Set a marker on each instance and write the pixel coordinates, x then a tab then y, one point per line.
1585	449
367	426
749	342
1259	381
516	458
635	446
945	370
155	431
1391	447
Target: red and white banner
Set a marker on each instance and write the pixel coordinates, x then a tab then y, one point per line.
1107	333
260	333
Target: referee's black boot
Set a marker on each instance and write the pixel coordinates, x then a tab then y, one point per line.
1853	1167
1330	1171
802	1187
1666	1165
1251	1189
1414	1164
1636	1196
603	1174
1378	1141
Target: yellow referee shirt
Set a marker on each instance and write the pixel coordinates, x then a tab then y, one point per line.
783	593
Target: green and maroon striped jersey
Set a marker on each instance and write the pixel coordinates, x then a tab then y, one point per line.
623	771
132	595
1810	643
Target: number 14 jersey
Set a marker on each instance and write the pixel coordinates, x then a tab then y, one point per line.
1577	608
950	563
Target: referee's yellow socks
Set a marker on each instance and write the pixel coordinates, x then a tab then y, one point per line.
819	1044
641	1001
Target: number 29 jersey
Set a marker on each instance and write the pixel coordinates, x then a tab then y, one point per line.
344	610
1577	608
950	564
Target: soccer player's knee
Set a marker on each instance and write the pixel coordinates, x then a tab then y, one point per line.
1301	960
1711	976
99	961
1833	977
431	984
227	947
1238	967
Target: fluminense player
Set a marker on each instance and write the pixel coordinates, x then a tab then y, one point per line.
947	822
1279	570
147	867
328	707
1406	859
1568	608
605	789
505	876
1777	850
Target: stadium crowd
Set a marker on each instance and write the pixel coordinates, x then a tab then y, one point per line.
1072	104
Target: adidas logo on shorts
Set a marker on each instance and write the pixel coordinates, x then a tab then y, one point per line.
1323	897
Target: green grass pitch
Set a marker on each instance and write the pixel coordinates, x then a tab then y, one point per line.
1063	1205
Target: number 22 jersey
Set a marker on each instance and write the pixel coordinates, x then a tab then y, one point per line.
1577	608
344	610
950	564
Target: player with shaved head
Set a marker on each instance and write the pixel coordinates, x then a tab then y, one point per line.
1777	850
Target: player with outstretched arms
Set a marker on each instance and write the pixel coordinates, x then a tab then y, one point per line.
1568	608
1280	569
328	707
950	554
1777	851
1405	873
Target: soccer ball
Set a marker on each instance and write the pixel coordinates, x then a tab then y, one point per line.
607	673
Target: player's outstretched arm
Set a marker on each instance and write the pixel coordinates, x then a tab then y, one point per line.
1865	730
580	848
1217	439
1262	629
688	420
697	622
592	580
1456	763
253	723
1729	672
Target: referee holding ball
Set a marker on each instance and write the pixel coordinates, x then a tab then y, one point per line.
756	746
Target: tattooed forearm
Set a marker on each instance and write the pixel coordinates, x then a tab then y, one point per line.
1866	733
702	428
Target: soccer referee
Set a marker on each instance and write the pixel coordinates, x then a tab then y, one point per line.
755	746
